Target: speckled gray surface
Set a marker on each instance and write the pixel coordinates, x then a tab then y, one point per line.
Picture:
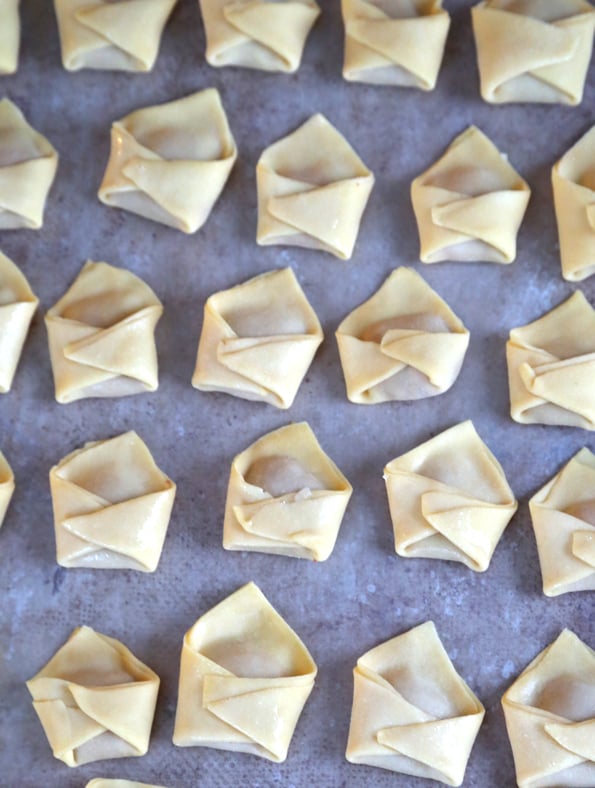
492	624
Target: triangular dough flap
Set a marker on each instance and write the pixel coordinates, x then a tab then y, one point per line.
578	738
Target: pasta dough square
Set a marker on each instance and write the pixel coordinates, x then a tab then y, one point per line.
469	205
573	183
6	486
394	42
312	190
269	35
563	515
533	50
551	367
244	679
10	36
169	163
403	343
95	700
550	716
28	164
258	340
412	712
285	496
101	335
449	499
17	307
111	505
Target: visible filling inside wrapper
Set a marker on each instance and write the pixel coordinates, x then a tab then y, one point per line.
427	690
544	10
105	306
198	143
583	510
266	316
281	475
568	696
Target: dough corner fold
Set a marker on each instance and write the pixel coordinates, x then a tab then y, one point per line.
112	506
95	700
10	36
18	304
285	496
412	713
7	486
244	679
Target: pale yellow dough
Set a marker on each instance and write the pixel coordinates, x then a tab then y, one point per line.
268	35
533	50
244	679
469	205
101	335
394	42
449	499
573	182
551	367
6	486
550	717
258	340
95	700
28	164
98	782
312	190
403	343
563	515
285	496
114	35
170	162
111	505
10	36
17	307
412	712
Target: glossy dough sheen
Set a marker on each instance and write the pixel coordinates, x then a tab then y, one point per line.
10	36
28	165
449	499
17	307
244	679
551	367
95	700
169	163
403	343
412	713
258	340
573	182
550	717
394	42
114	35
6	486
312	190
112	506
263	34
563	515
296	506
469	205
533	50
101	335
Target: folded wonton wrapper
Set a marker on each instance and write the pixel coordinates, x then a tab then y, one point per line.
394	42
244	679
573	182
258	340
285	496
95	700
563	515
99	782
412	712
115	35
112	506
550	717
449	499
10	36
312	190
551	367
403	343
17	307
533	50
6	486
28	165
101	335
169	163
265	34
469	205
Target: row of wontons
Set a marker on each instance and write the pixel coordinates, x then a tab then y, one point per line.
170	162
245	677
449	499
527	50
